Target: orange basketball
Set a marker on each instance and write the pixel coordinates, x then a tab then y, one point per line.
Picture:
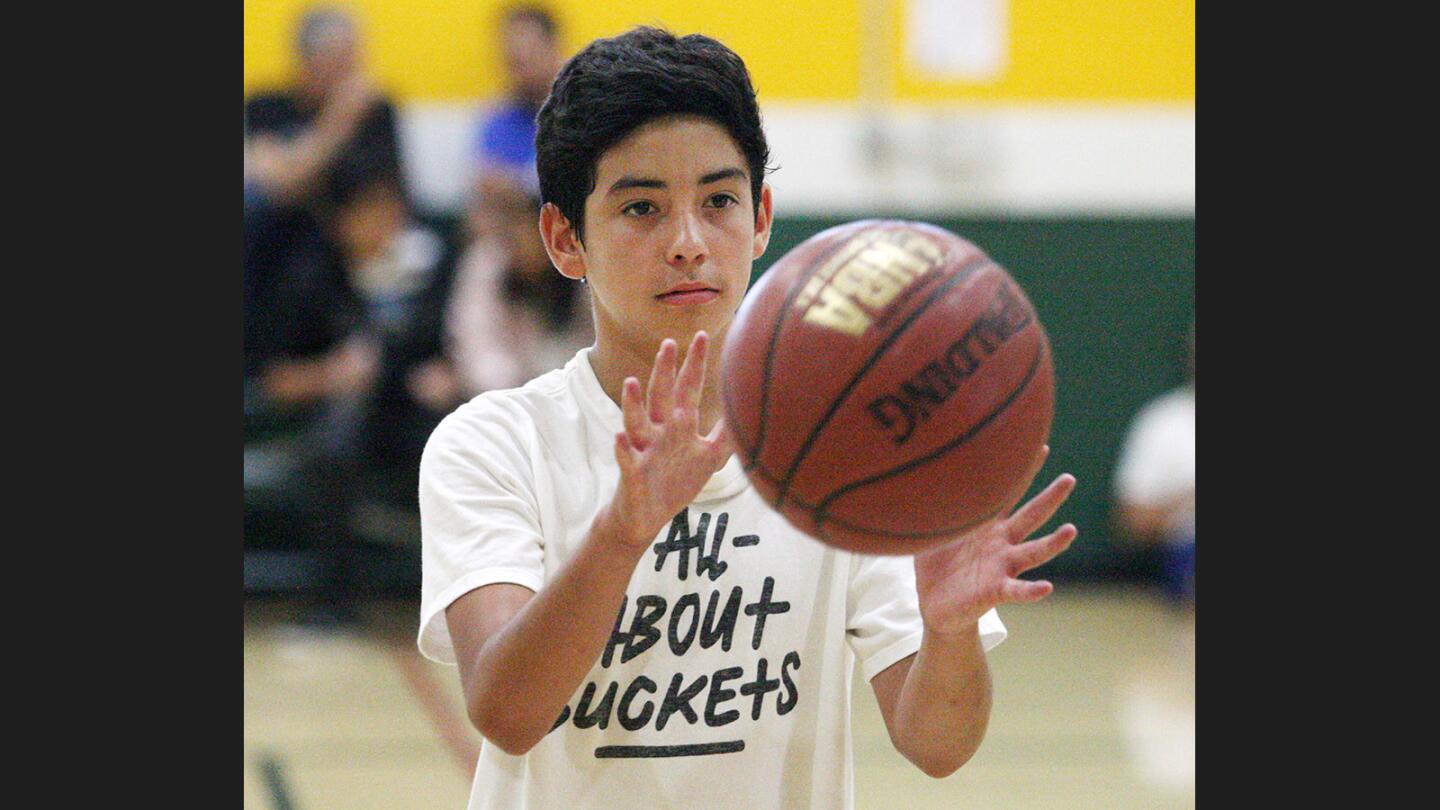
888	386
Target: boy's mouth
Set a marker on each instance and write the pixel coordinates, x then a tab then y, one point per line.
688	293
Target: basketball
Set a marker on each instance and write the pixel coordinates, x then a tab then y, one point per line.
888	386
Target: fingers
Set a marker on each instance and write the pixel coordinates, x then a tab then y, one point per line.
722	443
1021	590
660	394
692	373
1041	508
622	454
1038	552
721	438
671	397
633	409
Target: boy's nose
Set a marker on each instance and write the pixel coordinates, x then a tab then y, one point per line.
689	244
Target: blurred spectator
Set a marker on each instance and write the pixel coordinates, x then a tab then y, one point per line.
354	317
331	129
504	150
511	316
1155	482
332	126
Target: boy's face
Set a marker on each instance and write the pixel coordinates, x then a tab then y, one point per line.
671	233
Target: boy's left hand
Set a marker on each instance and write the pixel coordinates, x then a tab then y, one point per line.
962	579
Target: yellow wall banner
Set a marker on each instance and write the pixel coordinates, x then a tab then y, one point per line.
1032	50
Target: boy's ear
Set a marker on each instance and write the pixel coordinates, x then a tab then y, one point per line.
566	252
764	218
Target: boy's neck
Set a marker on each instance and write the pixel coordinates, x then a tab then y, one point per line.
613	361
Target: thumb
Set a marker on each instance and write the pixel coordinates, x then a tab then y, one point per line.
722	442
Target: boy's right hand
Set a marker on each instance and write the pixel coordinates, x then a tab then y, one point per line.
664	462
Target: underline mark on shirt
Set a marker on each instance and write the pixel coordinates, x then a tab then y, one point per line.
698	749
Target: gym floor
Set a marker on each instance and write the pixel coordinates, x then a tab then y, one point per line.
1094	708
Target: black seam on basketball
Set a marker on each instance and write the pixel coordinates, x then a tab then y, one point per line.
759	470
790	297
956	531
757	467
749	460
820	509
824	520
733	425
966	270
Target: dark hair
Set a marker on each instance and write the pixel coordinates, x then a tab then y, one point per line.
529	12
614	86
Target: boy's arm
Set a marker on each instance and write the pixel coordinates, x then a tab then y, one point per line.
936	703
523	655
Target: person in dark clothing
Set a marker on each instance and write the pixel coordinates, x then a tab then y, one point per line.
304	142
353	316
304	145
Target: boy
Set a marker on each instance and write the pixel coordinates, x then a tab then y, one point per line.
723	679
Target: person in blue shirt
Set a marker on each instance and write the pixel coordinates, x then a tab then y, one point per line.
503	154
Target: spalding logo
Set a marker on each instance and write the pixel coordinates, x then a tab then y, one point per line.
865	275
939	378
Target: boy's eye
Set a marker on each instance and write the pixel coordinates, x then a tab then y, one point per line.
722	200
638	208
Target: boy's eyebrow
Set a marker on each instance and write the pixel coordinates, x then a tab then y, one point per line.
723	174
631	181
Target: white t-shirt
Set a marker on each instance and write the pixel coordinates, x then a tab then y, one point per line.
1157	463
727	681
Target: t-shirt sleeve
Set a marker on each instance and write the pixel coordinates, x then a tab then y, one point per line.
884	613
479	518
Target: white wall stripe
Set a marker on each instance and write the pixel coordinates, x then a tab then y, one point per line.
833	159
